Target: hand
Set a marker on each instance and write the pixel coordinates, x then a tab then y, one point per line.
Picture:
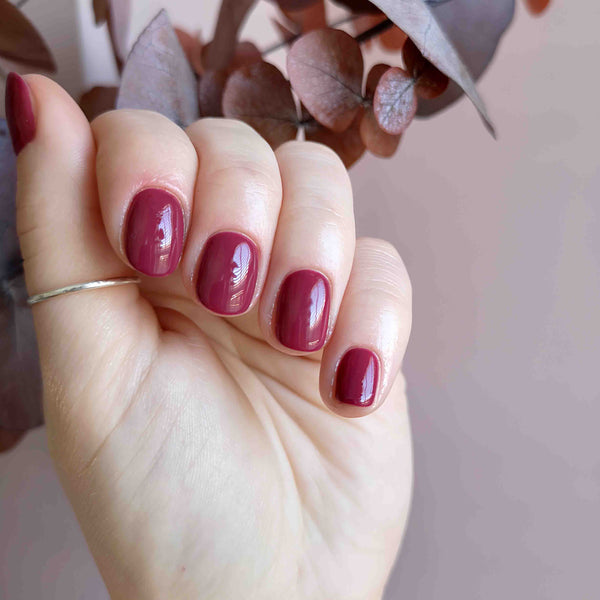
202	422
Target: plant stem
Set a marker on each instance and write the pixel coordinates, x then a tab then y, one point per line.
374	31
279	45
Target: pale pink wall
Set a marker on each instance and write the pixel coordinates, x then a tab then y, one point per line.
501	240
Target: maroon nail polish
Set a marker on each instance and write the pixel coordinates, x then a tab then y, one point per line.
227	273
19	112
302	312
154	232
357	377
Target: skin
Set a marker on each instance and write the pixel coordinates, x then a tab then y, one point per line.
202	458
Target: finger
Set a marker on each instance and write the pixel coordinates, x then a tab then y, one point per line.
362	360
237	201
313	249
62	237
146	170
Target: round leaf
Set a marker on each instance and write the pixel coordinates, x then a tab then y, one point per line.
260	95
430	82
374	138
395	102
326	68
210	93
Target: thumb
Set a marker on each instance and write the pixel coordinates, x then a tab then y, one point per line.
63	242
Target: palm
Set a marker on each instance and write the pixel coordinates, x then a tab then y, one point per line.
222	453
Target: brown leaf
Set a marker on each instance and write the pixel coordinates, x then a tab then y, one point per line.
98	100
20	41
192	46
373	79
246	53
260	95
287	5
100	8
358	6
326	68
9	438
395	101
393	39
220	52
365	22
374	138
430	82
287	35
347	144
210	93
415	18
308	18
157	75
537	7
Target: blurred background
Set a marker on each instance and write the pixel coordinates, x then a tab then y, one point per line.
501	241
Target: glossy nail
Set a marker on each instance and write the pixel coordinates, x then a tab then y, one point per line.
302	312
19	112
357	377
227	273
154	232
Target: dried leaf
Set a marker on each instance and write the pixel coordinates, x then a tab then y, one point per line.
192	46
157	75
474	28
326	68
373	79
9	438
246	53
416	19
393	39
347	144
260	95
365	22
306	19
220	52
358	6
287	35
117	13
537	7
20	380
430	82
287	5
374	138
210	93
20	41
395	101
98	100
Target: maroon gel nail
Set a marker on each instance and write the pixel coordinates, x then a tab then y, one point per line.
19	112
227	273
154	232
356	379
302	312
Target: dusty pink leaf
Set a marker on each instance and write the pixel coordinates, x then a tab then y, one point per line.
9	438
157	75
220	52
416	19
374	138
20	41
98	100
210	93
192	46
459	20
347	144
326	69
430	82
395	101
260	95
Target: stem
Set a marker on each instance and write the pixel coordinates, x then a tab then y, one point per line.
374	31
280	45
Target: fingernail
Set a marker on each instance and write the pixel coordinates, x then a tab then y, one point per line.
19	112
302	312
154	232
356	378
227	273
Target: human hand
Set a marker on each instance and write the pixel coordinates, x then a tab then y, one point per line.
207	455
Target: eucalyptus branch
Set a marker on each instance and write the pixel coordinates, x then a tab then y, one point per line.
374	31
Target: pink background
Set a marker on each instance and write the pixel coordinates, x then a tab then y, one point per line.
501	240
